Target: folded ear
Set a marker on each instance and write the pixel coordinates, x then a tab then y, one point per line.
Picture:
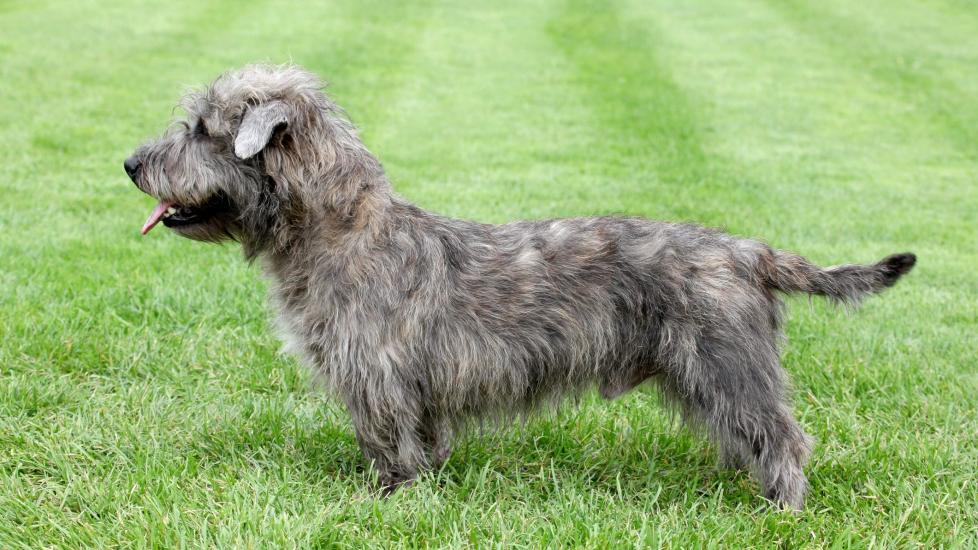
257	127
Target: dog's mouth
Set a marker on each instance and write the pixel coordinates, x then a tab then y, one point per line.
176	215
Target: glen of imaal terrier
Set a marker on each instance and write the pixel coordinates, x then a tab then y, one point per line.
422	324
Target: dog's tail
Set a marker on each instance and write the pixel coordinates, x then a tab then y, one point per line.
789	272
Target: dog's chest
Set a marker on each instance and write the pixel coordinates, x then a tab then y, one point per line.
324	327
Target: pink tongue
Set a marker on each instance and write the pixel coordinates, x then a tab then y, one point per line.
155	216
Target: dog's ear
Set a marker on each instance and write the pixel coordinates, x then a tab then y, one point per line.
257	126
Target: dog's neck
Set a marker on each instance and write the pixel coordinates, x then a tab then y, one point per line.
346	205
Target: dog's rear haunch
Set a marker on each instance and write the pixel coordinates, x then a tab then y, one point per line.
422	323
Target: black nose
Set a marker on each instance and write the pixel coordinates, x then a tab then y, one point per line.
132	165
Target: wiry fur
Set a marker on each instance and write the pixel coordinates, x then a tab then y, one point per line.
421	323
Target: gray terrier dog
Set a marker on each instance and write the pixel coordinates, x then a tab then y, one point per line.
422	324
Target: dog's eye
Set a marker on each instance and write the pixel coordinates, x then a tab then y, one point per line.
200	129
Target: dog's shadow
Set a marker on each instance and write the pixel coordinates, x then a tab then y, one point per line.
314	449
656	464
606	452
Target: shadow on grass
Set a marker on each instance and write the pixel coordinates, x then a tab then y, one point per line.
594	450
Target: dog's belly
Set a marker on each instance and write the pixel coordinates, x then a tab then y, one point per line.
492	372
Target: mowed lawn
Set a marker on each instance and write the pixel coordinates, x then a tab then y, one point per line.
143	399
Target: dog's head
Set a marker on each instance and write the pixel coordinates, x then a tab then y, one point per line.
247	150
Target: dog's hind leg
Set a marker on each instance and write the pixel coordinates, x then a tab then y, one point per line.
736	390
776	446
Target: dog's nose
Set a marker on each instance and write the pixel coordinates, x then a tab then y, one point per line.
132	165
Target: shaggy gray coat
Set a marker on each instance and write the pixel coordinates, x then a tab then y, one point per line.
422	323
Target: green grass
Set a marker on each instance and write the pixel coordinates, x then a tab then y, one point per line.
143	401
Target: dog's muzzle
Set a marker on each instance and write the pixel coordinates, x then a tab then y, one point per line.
132	165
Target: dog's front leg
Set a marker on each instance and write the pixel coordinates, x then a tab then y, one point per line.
438	437
386	430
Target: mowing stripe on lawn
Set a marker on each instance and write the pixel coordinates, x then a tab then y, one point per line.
921	86
482	128
651	131
809	151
